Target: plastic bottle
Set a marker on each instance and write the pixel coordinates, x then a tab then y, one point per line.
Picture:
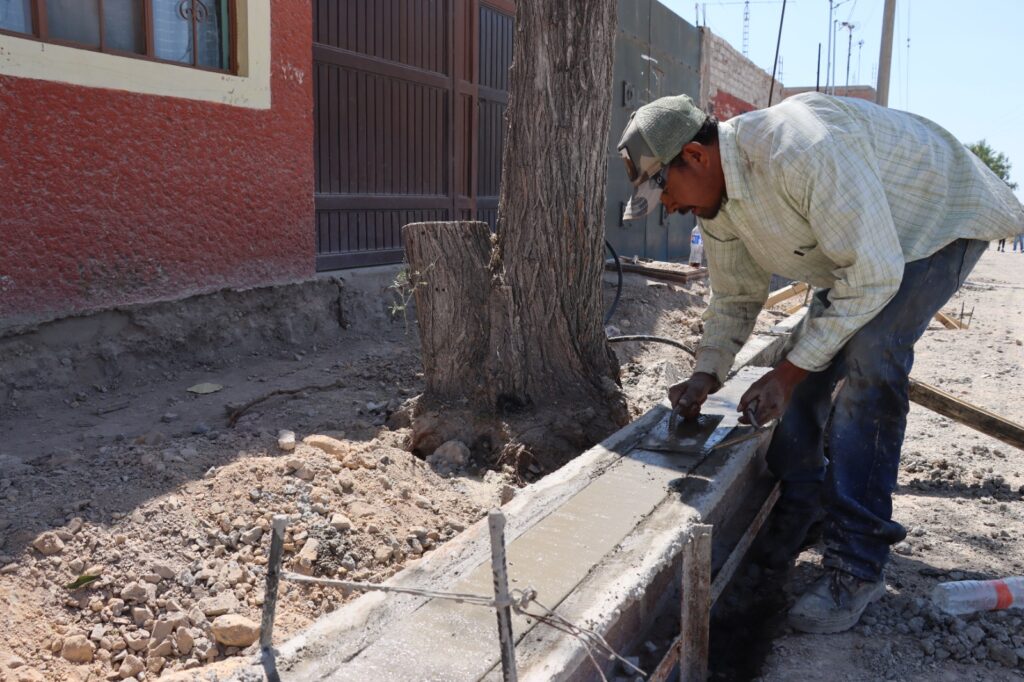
968	596
696	247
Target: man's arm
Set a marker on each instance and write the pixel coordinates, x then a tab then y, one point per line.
739	288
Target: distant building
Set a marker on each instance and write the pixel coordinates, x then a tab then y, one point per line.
859	91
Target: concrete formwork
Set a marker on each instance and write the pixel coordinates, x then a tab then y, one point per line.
599	540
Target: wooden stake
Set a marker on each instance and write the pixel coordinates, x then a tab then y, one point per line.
978	418
696	618
947	321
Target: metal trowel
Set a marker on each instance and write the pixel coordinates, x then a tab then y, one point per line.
674	434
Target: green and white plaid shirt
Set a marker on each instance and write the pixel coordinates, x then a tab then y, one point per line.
839	193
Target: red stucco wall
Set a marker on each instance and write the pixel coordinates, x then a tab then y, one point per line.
109	197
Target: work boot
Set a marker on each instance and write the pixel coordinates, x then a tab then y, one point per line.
834	603
789	530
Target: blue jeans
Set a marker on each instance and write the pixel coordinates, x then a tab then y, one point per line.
863	427
1018	240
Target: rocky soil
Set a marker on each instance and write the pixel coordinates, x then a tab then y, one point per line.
134	520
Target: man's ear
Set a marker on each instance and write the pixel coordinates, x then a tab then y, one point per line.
696	153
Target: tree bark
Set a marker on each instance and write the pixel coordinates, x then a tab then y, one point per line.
513	322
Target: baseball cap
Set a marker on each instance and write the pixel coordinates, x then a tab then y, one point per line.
654	135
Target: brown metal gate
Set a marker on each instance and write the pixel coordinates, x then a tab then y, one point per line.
409	99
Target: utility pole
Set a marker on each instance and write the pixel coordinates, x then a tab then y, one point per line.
828	51
860	48
849	51
885	53
835	39
746	27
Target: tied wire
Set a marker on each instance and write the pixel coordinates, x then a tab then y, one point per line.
591	640
520	600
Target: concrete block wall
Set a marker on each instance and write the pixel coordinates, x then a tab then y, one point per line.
731	84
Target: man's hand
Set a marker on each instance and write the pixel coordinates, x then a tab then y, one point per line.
771	393
687	396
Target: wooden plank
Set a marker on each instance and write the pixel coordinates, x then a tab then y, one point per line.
739	552
947	321
696	598
780	295
978	418
793	308
662	271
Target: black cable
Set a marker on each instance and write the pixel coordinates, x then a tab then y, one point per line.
658	339
618	290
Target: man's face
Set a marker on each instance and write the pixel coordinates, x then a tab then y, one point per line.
698	185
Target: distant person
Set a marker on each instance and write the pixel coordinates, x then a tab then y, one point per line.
885	213
1002	245
1018	240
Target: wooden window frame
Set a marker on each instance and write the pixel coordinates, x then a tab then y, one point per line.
40	32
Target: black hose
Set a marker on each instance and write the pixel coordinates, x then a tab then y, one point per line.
618	290
658	339
615	303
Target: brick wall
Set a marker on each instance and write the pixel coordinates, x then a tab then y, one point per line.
731	84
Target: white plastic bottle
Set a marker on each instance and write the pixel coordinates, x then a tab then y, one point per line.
696	247
968	596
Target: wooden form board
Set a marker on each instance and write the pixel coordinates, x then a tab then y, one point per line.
785	293
978	418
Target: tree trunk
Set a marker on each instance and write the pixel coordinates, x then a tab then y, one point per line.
513	323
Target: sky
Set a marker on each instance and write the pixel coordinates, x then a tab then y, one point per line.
963	69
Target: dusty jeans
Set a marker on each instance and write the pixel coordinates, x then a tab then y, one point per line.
863	428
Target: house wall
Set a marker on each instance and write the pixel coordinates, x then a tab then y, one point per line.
112	194
731	84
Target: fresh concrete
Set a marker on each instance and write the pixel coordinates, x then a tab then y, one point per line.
598	540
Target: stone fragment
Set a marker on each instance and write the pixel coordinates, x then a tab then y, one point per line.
286	440
184	641
140	614
217	605
130	667
137	641
77	649
449	456
341	522
137	592
358	508
48	543
235	630
1002	654
331	446
252	536
155	664
163	649
306	557
164	571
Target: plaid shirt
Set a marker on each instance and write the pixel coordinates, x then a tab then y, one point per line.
839	193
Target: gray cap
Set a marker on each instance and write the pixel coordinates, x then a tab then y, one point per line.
655	134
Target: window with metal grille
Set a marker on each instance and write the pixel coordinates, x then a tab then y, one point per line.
196	33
